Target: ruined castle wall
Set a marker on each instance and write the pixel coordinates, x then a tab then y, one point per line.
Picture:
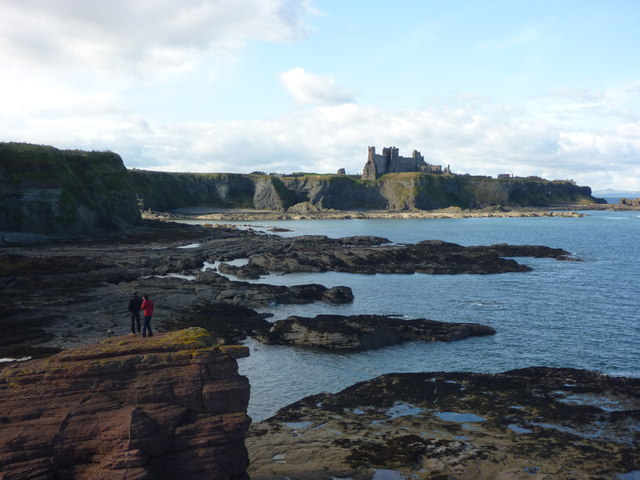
381	163
405	164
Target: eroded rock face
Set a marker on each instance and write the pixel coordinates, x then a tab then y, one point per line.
528	423
166	407
362	332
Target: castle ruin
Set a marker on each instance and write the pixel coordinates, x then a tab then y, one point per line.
391	162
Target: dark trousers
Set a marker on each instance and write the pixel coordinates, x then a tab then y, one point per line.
135	322
147	326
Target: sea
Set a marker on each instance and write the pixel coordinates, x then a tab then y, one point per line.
581	314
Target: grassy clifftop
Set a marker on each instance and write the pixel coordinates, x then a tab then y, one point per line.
46	190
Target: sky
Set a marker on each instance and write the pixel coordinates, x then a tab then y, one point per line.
544	88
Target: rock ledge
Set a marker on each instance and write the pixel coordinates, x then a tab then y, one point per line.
169	406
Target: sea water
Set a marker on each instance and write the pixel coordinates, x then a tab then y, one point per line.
562	314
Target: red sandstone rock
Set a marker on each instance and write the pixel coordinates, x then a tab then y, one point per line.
171	406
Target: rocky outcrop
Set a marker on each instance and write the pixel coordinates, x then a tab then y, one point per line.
363	332
431	256
166	407
528	423
245	271
66	294
51	191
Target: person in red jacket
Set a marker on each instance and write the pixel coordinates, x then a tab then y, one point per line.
147	309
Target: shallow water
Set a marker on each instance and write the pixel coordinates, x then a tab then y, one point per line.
562	314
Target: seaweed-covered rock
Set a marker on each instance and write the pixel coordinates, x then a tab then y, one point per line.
528	423
430	256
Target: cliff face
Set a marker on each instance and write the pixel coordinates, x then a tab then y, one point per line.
51	191
428	192
400	191
46	190
171	406
166	191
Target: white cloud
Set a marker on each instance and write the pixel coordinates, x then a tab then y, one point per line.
478	141
310	88
140	36
68	68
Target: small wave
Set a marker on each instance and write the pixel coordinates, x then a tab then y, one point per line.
190	245
6	360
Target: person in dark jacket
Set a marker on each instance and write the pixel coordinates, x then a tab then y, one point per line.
135	304
147	309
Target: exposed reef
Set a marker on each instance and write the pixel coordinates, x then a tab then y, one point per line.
63	294
363	332
528	423
429	256
331	214
165	407
67	293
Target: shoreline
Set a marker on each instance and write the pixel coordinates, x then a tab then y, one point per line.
260	215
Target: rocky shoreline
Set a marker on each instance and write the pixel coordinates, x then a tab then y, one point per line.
65	293
529	423
72	295
312	213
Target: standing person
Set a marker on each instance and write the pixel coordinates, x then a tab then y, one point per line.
135	305
147	309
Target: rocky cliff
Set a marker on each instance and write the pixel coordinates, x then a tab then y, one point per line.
51	191
167	407
398	191
167	191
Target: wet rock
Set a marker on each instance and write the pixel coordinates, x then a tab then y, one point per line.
363	332
546	422
338	295
245	271
432	257
68	293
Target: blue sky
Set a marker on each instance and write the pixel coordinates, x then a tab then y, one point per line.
546	88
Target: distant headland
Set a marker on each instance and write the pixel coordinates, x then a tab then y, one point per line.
52	191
